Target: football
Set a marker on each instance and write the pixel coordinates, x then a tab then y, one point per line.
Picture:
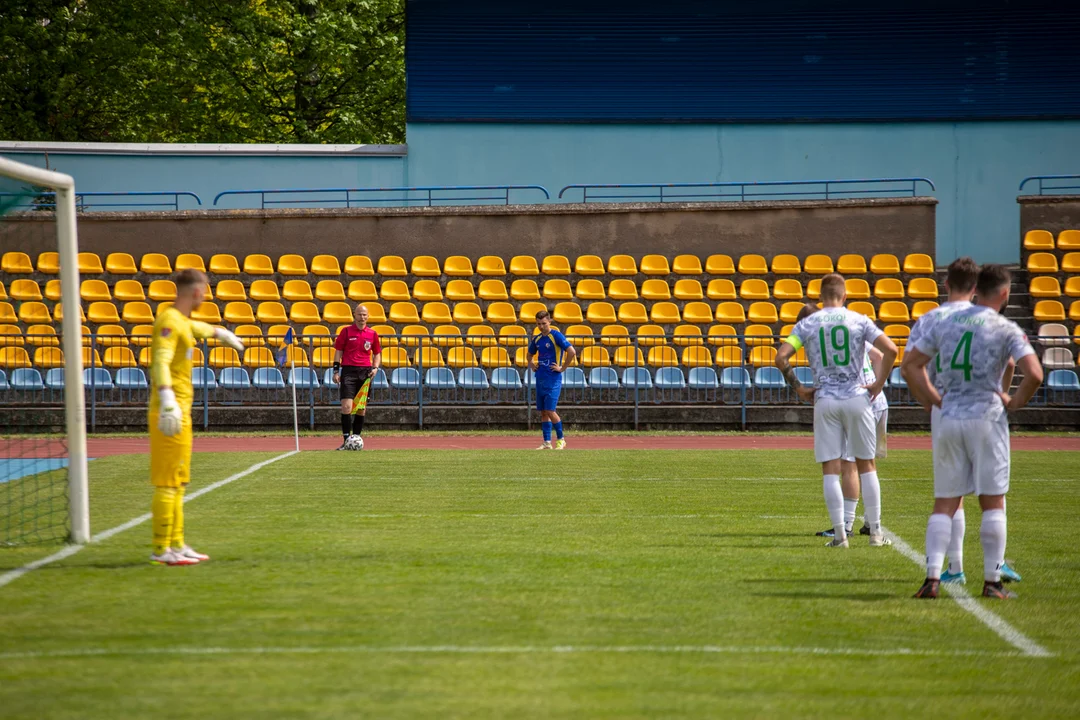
355	442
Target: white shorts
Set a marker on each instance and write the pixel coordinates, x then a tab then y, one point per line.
844	426
971	457
881	419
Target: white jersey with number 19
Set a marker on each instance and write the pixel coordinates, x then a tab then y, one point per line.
836	342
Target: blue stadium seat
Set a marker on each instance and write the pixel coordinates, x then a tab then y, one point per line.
3	380
636	376
505	378
805	376
734	377
131	379
234	378
405	377
98	378
670	378
703	378
770	378
574	377
379	381
303	377
473	379
1062	380
54	378
26	379
268	378
603	378
896	379
440	379
328	379
530	379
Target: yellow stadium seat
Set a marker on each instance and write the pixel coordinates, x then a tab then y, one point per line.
436	313
325	265
239	312
316	335
458	290
31	313
851	265
813	289
893	311
721	290
588	265
762	312
614	335
752	264
620	265
1044	286
271	312
263	290
1038	240
919	264
120	263
296	357
923	288
580	336
341	312
395	357
921	308
651	335
129	290
361	290
48	263
1049	311
11	335
292	265
687	265
789	311
1071	262
275	335
256	265
220	357
527	311
788	289
58	313
42	335
424	266
458	266
393	266
155	264
423	290
461	357
394	290
387	334
1072	286
596	356
729	356
565	312
137	313
687	289
190	261
654	265
554	289
323	357
662	356
698	313
495	357
15	262
447	336
758	335
500	313
1074	311
515	335
662	313
490	266
656	289
626	356
360	265
3	292
899	334
90	264
786	265
467	313
91	358
111	335
330	290
259	357
227	290
590	290
600	313
730	312
45	358
414	335
23	290
558	265
622	289
696	356
857	289
525	289
165	290
818	265
524	265
1042	262
52	289
889	289
686	335
493	290
863	308
521	357
1069	240
762	356
208	312
885	264
297	290
224	264
754	289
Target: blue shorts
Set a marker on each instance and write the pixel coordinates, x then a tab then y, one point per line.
547	396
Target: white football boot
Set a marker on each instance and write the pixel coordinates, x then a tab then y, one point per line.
169	557
190	553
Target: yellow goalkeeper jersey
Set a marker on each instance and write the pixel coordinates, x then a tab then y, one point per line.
170	354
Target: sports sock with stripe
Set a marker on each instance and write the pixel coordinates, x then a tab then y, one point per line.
546	427
834	501
558	429
938	529
162	508
993	533
346	424
956	542
849	513
871	493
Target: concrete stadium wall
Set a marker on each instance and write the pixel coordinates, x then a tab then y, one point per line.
899	226
1049	212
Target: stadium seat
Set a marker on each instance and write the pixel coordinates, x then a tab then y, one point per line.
1049	311
323	357
1069	240
341	312
703	378
719	265
698	313
222	357
271	312
921	308
565	312
1074	311
30	313
48	357
268	378
461	357
155	264
165	290
863	308
303	377
761	312
885	264
650	335
91	358
111	335
424	290
603	378
654	265
1072	286
238	313
622	265
316	336
554	289
458	266
15	262
426	266
789	311
137	313
405	378
527	289
1051	334
626	356
58	314
1044	286
721	290
190	261
1057	358
1042	262
41	335
395	357
893	311
769	378
23	290
325	266
98	378
788	289
1063	381
899	334
696	356
493	290
590	265
25	379
735	378
786	265
889	289
13	356
729	356
296	356
297	290
686	265
3	292
596	356
579	336
48	263
224	264
687	335
754	289
360	265
436	313
130	290
120	263
685	289
490	266
614	335
53	289
458	290
467	313
600	313
1071	262
500	313
813	289
361	290
758	334
818	265
439	378
525	265
514	336
327	290
622	289
11	335
275	335
54	379
661	355
730	312
393	266
753	264
851	265
495	357
589	290
208	312
762	356
415	336
394	290
506	378
919	264
1038	240
292	265
857	289
256	264
636	377
131	378
923	288
90	264
664	313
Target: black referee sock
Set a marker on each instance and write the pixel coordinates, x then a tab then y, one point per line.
357	424
346	423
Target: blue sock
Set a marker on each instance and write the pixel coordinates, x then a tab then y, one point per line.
547	431
558	429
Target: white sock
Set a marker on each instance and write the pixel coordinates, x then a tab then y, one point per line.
993	532
849	513
834	501
938	529
871	496
956	542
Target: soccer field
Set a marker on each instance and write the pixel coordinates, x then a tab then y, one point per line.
504	583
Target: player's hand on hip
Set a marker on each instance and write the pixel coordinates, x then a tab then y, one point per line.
555	368
1007	401
170	418
805	393
229	338
873	390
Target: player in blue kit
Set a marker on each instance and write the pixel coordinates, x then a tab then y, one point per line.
549	354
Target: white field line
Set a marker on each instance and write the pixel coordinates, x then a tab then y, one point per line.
13	575
1006	631
506	650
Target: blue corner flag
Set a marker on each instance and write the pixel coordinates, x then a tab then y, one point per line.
283	353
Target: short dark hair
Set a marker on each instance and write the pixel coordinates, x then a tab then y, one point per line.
540	315
992	277
189	278
807	309
833	287
962	274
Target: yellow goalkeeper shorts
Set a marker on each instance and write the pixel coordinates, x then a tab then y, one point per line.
170	457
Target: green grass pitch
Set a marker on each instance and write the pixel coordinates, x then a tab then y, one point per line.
521	584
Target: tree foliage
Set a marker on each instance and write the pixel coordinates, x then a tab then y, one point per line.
271	71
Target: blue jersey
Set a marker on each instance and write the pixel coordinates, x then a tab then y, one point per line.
551	350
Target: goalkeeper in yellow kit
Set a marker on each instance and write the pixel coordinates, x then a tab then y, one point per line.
175	337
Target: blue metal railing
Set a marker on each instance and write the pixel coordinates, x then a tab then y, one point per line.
743	191
422	196
34	200
1049	183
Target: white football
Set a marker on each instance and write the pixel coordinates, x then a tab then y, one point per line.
354	442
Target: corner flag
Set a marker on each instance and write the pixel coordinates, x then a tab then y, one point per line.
283	353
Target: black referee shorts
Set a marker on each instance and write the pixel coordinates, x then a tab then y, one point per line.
352	379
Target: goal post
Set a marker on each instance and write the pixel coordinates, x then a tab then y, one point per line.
71	330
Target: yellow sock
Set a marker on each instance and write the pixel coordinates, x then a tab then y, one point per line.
178	518
162	510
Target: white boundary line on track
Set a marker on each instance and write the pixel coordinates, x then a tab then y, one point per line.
507	650
13	575
1006	631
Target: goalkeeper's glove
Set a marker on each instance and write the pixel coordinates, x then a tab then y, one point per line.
170	419
229	338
